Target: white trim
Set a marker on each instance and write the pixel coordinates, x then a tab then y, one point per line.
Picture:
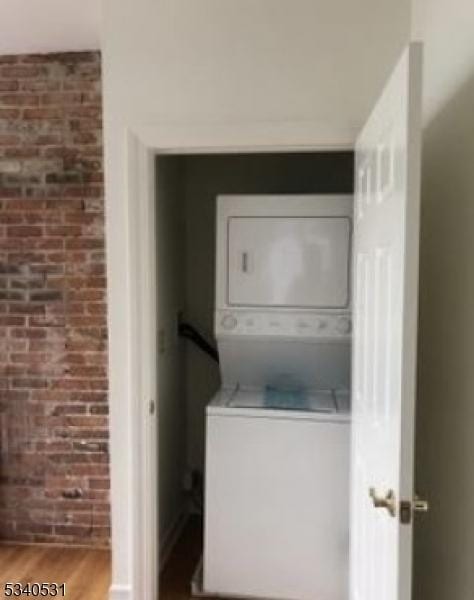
120	592
231	138
197	581
141	219
130	234
171	536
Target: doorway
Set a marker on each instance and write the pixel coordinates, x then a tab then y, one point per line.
186	190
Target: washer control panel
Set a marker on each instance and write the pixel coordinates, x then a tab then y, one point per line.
280	323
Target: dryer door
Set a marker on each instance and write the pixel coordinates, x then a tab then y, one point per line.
289	261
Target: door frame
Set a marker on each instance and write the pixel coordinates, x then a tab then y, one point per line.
134	470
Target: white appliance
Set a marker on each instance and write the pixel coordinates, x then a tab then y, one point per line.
277	447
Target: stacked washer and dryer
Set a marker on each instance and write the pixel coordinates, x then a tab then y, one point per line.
278	431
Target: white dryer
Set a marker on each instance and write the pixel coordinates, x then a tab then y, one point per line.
277	441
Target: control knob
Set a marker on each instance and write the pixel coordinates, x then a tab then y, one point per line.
228	322
321	324
344	326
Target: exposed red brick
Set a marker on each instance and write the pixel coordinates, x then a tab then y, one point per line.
9	113
9	86
53	333
44	114
9	59
11	321
43	85
19	99
22	152
24	231
61	98
18	72
9	140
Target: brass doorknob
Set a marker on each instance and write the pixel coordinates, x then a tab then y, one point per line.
388	501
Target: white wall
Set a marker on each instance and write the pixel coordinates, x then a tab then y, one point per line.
205	177
313	60
445	447
170	230
49	25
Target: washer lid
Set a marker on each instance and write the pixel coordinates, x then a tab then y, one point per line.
320	401
251	362
249	403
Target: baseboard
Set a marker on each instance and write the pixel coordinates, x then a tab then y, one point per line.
171	536
120	592
197	584
168	542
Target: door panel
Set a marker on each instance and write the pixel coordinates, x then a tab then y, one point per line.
386	239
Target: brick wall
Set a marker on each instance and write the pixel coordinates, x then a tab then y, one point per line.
54	472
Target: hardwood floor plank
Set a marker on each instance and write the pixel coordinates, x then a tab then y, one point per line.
85	572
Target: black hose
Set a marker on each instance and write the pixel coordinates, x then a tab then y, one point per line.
187	331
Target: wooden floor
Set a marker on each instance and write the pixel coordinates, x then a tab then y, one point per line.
175	581
85	572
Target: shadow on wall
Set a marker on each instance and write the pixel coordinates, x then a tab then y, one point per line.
444	542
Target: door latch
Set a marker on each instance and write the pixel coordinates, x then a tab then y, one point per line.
408	508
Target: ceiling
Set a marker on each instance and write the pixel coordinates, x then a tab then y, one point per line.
49	25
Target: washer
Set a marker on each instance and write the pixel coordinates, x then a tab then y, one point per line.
277	488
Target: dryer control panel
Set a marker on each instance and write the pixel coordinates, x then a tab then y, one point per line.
309	325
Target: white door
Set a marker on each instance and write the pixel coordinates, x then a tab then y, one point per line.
386	238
